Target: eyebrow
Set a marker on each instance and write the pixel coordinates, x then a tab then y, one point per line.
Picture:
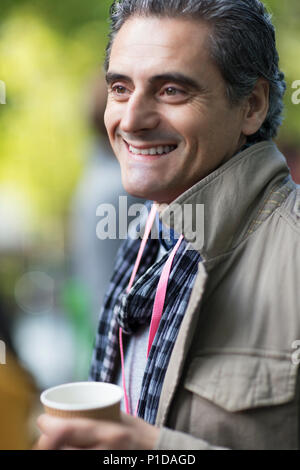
175	77
113	77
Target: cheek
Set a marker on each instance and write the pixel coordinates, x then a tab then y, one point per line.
107	121
195	134
111	119
191	123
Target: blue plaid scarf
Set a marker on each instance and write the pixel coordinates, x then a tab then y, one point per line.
133	309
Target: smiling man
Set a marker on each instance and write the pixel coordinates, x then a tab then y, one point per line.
168	116
195	99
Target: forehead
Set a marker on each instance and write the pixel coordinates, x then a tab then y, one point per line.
145	43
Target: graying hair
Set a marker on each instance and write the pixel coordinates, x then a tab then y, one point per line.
242	44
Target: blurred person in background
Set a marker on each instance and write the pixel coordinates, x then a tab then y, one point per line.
92	259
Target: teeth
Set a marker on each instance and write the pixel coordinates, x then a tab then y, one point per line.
152	151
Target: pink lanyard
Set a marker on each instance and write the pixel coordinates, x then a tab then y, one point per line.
158	301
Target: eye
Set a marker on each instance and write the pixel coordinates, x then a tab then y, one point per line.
173	94
171	91
119	90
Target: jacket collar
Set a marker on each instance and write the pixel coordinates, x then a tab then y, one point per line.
232	196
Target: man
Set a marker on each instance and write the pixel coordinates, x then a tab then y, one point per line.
195	99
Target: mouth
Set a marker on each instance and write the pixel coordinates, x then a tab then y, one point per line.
150	151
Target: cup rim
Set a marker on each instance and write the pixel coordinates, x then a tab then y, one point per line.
77	406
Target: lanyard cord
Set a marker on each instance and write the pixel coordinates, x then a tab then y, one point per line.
158	301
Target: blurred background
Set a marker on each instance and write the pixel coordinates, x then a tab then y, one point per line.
56	167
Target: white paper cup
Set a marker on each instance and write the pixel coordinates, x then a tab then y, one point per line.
96	400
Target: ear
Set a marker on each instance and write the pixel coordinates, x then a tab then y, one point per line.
256	107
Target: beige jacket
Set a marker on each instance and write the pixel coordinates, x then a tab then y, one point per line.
231	381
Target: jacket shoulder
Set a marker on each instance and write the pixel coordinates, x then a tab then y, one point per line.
290	209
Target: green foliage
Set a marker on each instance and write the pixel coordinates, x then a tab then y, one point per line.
286	17
43	125
66	15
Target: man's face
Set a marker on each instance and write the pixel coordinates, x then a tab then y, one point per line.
168	117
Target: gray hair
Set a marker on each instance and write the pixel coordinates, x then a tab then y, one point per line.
242	44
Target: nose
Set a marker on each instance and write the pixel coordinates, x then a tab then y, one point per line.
140	113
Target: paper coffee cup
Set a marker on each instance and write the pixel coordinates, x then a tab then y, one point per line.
96	400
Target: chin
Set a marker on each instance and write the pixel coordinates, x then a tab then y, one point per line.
150	190
137	186
135	190
150	195
139	193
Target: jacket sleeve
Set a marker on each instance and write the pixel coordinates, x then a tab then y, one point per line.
169	439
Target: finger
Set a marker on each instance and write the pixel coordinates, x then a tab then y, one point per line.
75	432
70	448
129	419
45	422
46	443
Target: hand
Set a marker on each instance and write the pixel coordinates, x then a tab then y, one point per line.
79	433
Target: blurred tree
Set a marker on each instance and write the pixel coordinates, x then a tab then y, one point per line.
286	17
66	16
43	127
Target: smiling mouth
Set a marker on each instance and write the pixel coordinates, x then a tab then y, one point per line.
151	151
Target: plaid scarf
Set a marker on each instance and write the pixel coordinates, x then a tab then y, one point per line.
133	309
